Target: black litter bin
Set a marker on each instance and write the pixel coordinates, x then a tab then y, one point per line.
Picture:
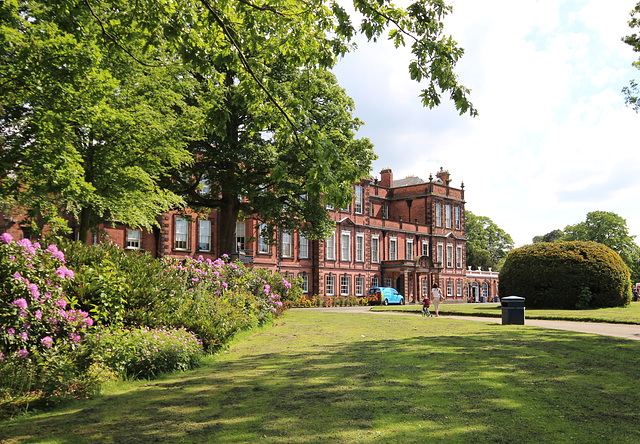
513	310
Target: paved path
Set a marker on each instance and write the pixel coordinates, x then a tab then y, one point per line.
619	330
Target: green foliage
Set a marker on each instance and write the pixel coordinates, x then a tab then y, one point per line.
611	230
219	299
552	236
487	244
213	299
632	92
584	299
103	101
114	285
87	128
41	335
606	228
554	275
145	353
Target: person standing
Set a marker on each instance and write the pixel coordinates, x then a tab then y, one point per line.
436	294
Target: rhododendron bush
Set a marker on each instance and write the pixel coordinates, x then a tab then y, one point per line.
73	315
34	314
220	298
37	325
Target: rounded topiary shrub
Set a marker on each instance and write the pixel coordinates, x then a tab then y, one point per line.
566	275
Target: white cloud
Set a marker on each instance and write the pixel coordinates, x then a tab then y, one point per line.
553	140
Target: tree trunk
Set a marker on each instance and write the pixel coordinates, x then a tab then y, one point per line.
84	224
229	211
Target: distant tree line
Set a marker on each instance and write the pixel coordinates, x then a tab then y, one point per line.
487	244
606	228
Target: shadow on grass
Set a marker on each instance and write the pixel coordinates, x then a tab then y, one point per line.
495	384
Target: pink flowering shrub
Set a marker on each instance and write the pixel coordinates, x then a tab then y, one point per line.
32	302
37	325
219	298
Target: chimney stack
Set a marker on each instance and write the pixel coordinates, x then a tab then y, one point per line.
443	175
386	178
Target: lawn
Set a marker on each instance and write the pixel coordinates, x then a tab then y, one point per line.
618	315
358	378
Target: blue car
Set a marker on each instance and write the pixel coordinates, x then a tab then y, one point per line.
384	296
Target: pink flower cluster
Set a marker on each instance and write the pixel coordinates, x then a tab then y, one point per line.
35	316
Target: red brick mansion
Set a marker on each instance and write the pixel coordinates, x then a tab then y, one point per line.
406	234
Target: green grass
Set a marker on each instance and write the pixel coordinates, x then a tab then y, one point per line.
358	378
618	315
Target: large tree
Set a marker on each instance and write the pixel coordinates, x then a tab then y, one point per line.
611	230
275	126
551	236
487	244
87	129
632	92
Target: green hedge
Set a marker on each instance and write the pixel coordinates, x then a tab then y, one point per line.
566	275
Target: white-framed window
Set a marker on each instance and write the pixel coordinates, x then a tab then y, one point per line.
359	286
331	247
425	248
425	287
286	244
331	285
94	239
459	256
304	247
409	252
439	253
345	285
459	288
449	256
447	216
375	249
305	283
204	235
240	236
385	211
393	248
387	282
457	217
181	235
359	247
449	287
438	215
329	207
263	241
205	187
375	281
133	239
485	289
359	200
345	246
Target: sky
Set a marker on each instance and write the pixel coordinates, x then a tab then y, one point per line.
553	140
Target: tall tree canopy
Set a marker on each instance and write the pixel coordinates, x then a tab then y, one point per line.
487	244
606	228
120	108
611	230
632	92
551	236
86	128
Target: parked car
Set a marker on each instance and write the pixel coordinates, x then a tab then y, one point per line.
384	296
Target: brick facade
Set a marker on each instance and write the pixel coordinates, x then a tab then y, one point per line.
406	234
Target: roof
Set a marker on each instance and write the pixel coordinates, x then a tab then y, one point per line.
409	180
